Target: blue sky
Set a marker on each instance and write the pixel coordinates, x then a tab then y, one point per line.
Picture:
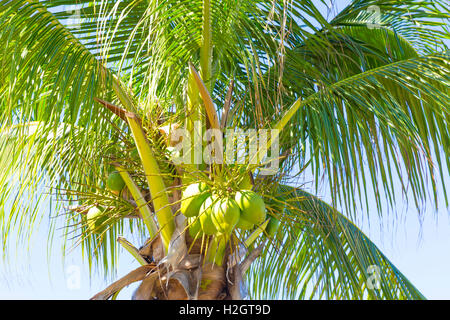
419	247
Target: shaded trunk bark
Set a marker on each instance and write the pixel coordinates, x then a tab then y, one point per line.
193	278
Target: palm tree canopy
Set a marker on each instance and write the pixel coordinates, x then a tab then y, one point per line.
363	105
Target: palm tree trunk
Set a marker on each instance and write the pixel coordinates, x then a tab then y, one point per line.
193	278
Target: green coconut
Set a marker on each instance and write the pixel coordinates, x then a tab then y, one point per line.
192	198
205	214
272	227
244	224
115	182
96	220
195	228
252	206
225	215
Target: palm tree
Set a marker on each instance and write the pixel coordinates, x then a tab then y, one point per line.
93	92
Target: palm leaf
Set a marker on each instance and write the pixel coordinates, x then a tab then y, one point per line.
321	254
419	22
384	113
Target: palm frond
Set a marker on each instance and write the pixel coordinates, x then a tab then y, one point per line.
34	163
419	22
49	80
393	110
331	74
319	253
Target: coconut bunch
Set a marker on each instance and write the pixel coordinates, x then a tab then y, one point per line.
200	264
224	208
212	216
201	218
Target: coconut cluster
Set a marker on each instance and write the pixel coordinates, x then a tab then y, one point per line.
207	213
210	214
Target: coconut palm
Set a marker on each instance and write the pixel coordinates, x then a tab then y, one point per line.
93	93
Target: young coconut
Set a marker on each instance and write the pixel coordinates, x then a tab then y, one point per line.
205	214
96	220
278	209
244	224
192	198
225	215
115	182
195	228
252	206
272	227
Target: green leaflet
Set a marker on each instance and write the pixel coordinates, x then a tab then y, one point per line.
322	254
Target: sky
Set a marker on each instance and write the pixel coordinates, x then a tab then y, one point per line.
418	245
